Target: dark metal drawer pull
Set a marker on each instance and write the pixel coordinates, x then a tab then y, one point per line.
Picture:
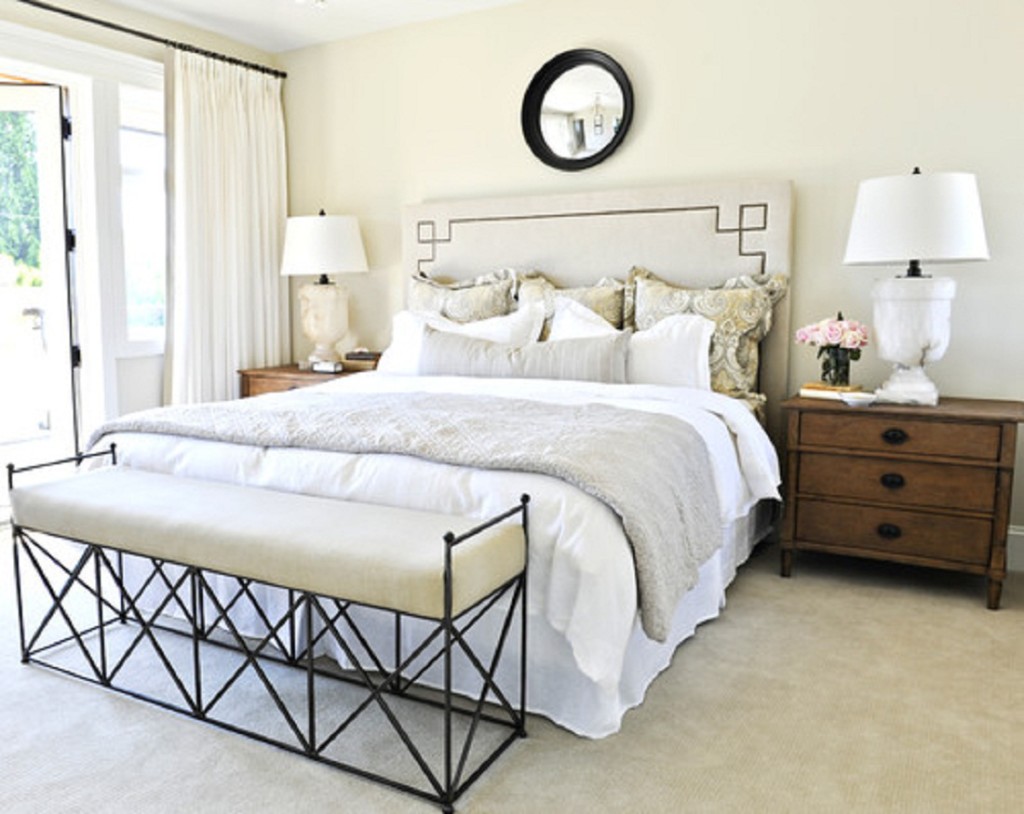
889	531
892	480
894	436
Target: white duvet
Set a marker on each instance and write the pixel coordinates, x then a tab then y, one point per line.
582	583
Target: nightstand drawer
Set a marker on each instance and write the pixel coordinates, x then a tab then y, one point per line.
259	380
258	386
903	436
890	480
895	531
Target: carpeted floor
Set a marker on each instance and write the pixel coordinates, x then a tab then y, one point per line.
851	687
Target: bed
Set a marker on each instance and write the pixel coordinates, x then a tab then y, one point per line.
508	329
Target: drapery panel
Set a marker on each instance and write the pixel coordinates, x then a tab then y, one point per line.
228	304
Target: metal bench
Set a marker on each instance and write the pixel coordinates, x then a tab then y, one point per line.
137	565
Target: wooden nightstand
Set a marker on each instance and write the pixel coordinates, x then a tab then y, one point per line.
921	485
259	380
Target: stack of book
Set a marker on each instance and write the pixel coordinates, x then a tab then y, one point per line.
820	390
361	360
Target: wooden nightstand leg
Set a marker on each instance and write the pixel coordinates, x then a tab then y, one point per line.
786	565
995	593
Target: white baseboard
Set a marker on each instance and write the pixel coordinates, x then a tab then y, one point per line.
1015	548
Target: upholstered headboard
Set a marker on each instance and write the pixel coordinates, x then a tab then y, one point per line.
697	234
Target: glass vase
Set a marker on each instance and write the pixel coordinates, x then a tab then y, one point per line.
835	365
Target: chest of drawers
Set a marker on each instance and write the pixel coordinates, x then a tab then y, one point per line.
920	485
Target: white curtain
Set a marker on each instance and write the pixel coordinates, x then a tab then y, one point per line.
228	304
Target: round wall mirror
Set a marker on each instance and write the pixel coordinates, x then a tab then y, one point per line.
577	109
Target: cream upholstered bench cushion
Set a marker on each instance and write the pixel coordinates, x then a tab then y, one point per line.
376	555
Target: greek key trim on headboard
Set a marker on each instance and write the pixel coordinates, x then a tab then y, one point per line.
752	217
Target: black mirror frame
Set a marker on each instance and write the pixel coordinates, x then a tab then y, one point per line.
534	99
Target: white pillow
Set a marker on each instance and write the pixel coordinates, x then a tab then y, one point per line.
593	359
407	327
674	351
573	320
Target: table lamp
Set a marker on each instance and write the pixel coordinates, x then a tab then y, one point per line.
321	245
913	219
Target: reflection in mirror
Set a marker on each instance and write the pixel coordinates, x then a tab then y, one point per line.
581	112
577	109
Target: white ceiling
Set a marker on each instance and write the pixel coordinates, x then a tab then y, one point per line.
283	25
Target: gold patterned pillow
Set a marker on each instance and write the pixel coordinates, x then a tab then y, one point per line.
742	317
483	297
774	285
605	297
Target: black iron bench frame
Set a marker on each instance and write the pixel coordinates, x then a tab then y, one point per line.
291	639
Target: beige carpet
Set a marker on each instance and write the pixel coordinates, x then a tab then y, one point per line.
849	687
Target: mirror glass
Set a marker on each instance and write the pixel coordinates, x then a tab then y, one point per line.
577	109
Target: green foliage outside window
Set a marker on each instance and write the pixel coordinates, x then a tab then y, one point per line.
19	196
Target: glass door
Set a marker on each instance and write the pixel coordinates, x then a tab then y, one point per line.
37	388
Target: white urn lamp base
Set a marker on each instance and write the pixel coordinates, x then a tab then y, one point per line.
908	385
324	308
912	328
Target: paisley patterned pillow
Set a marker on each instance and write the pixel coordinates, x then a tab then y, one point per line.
774	285
483	297
605	297
742	317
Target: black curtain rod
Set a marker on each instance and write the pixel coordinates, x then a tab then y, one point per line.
180	46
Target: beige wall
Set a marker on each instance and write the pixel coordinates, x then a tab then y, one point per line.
822	92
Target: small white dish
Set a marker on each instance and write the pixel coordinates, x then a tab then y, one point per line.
858	399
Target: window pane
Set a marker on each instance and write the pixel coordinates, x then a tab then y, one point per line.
143	207
22	344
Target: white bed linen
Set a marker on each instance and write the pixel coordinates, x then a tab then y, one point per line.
746	468
582	599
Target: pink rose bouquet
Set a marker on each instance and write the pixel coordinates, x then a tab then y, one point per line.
839	342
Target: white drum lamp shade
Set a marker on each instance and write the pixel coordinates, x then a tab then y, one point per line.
928	218
318	245
323	244
914	219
